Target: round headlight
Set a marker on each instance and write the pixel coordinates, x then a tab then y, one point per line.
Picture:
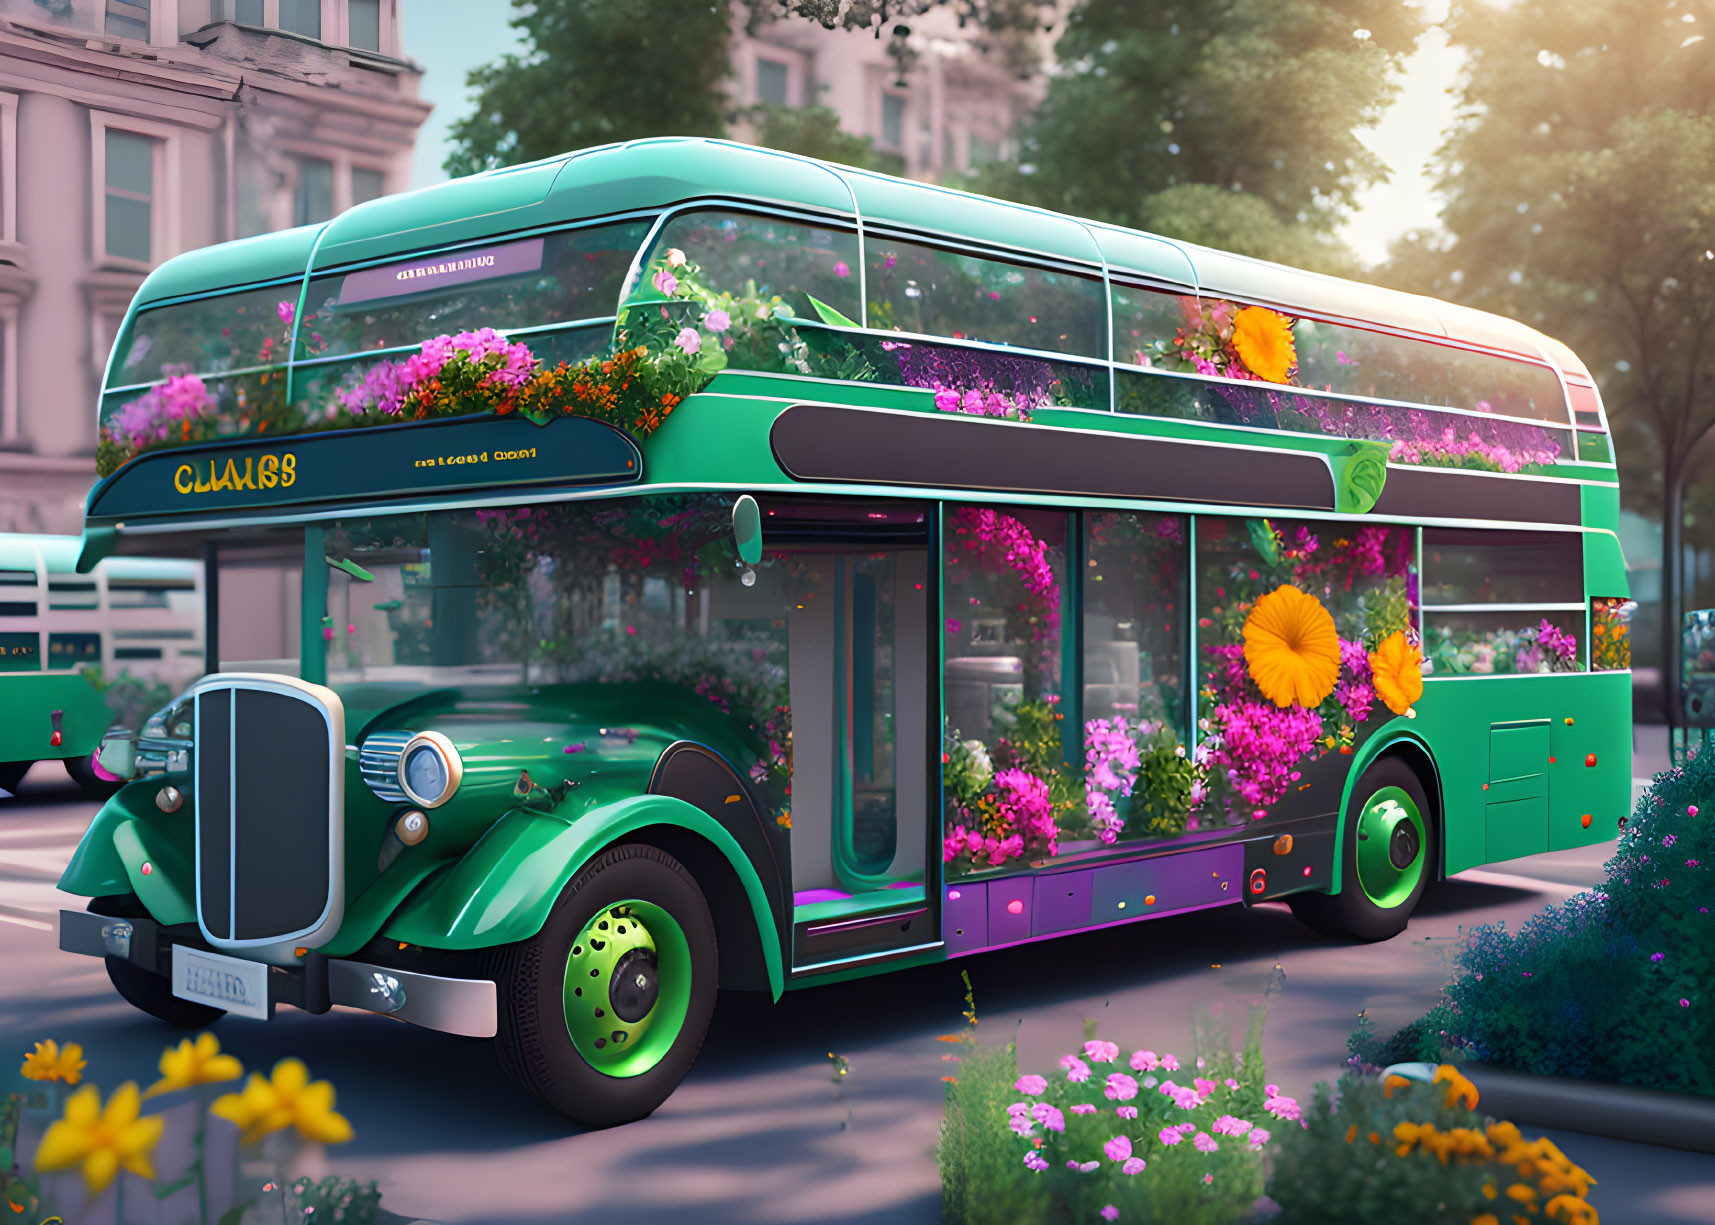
429	769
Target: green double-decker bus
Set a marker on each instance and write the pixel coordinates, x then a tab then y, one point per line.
678	565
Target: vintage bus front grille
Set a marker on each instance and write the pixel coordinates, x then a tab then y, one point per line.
270	768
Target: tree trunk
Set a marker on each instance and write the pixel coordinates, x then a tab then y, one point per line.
1672	584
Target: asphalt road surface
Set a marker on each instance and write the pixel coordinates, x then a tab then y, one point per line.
759	1134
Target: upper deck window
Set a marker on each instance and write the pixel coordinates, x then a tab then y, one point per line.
1214	336
916	288
529	282
235	331
734	252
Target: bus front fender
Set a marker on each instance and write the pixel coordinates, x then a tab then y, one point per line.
1391	737
502	889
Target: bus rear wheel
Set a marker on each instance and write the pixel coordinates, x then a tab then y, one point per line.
12	773
1388	856
603	1011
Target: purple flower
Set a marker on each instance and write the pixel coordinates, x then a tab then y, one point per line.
1110	1213
1258	1137
1101	1052
1089	1167
1204	1142
1685	1003
1169	1135
1033	1160
1083	1108
1030	1084
890	261
1048	1116
841	269
1121	1088
717	320
1658	956
1021	1124
287	312
1133	1165
688	340
1118	1149
665	282
1126	1112
1227	1125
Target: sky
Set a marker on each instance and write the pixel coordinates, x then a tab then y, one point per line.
440	37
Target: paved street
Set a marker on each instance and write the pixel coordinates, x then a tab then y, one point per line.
759	1133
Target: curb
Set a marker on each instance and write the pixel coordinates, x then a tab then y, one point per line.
1597	1108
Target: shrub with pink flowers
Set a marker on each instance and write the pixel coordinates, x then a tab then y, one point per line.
1110	1133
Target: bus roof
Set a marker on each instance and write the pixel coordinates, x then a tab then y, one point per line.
651	174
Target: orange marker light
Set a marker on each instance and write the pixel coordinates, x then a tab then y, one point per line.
1586	820
1150	900
1590	760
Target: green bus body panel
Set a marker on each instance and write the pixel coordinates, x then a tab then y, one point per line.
25	725
1600	505
502	890
887	201
128	832
168	891
227	265
96	868
1582	715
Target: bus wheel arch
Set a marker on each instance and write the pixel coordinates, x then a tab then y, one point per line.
1388	852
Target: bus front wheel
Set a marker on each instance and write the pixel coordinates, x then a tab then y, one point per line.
82	772
603	1011
1388	855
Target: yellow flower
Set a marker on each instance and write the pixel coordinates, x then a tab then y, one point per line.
1292	648
1407	1132
1398	673
1522	1192
194	1063
100	1141
49	1062
288	1099
1490	1190
1487	1218
1457	1086
1571	1209
1394	1081
1263	340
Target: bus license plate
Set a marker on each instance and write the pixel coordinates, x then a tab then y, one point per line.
240	987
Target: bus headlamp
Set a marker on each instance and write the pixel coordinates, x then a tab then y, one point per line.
429	769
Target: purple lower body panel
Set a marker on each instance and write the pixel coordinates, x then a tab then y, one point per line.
991	913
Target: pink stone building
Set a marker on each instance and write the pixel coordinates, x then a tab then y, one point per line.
132	130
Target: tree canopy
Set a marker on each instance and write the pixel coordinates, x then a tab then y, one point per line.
1229	122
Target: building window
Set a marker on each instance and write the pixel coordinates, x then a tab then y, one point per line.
128	19
313	201
302	17
367	184
363	25
244	12
8	168
892	121
770	81
130	193
8	402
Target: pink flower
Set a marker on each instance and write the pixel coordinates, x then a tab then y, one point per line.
1227	1125
1030	1084
1170	1063
1204	1087
1021	1124
841	269
1258	1138
1121	1088
1048	1116
1110	1213
1126	1112
1133	1166
1033	1160
717	320
1204	1142
1083	1108
287	312
1098	1051
1282	1108
688	340
1231	1083
1144	1061
1208	1180
1077	1070
665	282
1118	1149
947	400
1169	1135
890	261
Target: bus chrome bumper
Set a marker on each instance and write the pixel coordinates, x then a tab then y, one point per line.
464	1006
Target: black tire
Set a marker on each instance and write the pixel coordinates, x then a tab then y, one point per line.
534	1044
82	772
12	773
153	994
1352	913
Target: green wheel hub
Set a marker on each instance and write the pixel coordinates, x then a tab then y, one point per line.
627	987
1391	844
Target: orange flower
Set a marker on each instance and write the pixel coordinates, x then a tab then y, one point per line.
1292	648
1263	340
1397	668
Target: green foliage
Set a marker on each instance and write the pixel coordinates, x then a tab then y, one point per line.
336	1199
1611	985
1417	1042
982	1182
1386	610
131	699
966	770
814	131
1161	797
1229	121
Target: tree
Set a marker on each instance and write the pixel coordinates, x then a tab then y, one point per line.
1253	102
1580	188
815	131
598	71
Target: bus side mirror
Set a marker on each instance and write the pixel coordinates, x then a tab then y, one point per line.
747	529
